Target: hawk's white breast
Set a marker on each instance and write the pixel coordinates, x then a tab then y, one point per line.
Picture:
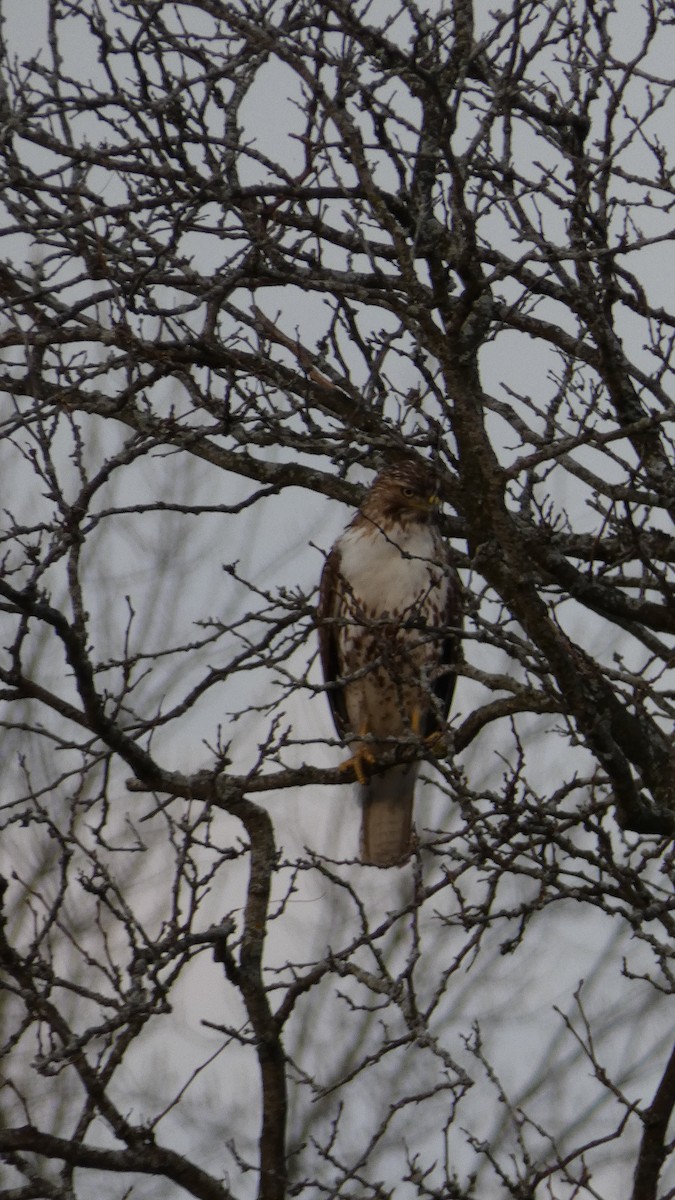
391	571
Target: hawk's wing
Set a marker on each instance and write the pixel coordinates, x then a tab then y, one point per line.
329	611
444	684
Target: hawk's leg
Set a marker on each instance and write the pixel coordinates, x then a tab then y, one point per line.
359	762
435	741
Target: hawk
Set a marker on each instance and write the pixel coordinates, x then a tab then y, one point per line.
389	615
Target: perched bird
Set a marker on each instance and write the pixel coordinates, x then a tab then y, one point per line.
389	618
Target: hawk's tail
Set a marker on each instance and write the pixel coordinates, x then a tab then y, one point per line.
386	825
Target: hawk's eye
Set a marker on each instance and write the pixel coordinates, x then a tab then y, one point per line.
408	493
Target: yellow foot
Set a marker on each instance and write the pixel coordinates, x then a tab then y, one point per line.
359	762
436	742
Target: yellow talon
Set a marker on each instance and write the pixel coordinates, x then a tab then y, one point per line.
435	742
363	755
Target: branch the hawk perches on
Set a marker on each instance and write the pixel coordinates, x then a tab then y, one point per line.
389	619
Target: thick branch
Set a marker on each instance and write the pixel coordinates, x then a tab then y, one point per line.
266	1029
142	1160
653	1148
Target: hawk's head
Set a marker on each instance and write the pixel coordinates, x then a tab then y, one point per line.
406	492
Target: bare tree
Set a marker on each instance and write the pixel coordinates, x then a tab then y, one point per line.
251	252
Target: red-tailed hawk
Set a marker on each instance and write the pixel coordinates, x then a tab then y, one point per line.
389	616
